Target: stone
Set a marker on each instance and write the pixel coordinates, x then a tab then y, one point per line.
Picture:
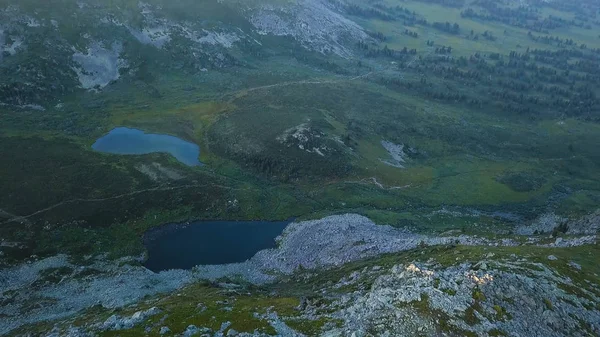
110	322
190	331
552	258
164	330
574	265
224	326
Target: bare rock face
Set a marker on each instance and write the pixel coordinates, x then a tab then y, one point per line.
545	223
396	151
313	22
111	287
587	225
98	66
116	322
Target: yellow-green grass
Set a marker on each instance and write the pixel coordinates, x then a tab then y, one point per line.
508	38
475	182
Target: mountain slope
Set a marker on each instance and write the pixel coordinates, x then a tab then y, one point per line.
384	127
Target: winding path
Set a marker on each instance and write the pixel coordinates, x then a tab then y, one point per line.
240	92
236	94
70	201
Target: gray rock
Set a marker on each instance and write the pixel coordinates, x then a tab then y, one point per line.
545	223
164	330
191	330
224	326
323	243
552	258
115	322
387	307
587	225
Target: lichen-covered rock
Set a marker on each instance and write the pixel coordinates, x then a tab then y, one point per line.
116	322
545	223
587	225
515	298
314	23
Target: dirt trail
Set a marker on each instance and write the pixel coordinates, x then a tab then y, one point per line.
24	218
243	92
237	94
10	216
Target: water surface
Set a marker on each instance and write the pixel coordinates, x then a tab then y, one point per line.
128	141
183	246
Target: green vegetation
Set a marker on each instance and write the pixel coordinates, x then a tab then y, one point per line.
308	327
548	304
478	295
449	291
496	106
210	304
496	333
202	305
501	313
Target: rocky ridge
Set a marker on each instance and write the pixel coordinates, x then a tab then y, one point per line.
505	295
327	243
514	298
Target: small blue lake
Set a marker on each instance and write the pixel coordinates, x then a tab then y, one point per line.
128	141
184	246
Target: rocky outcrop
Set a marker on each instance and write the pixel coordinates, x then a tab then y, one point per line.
588	225
314	23
331	242
98	66
317	244
396	151
497	296
103	283
116	322
515	298
545	223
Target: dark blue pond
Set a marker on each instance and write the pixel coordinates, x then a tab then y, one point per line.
132	141
183	246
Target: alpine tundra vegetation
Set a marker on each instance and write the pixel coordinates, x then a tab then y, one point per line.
437	162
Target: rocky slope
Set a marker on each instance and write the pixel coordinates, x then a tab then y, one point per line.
480	287
89	44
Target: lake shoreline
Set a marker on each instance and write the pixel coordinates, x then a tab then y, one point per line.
131	141
188	244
